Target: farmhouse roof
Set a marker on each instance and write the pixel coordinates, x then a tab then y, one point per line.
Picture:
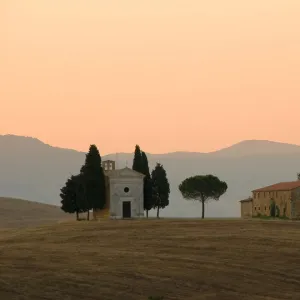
281	186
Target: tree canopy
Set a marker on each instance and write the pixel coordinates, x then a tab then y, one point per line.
137	160
145	164
141	165
94	179
72	196
202	188
86	190
148	199
160	188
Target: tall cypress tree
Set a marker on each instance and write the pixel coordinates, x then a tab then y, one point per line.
145	164
137	160
81	196
148	203
72	200
93	179
160	188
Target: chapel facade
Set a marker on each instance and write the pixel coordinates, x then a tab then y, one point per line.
124	193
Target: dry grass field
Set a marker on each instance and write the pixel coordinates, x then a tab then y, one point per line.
177	259
16	213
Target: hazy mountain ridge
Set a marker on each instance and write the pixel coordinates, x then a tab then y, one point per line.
254	147
33	170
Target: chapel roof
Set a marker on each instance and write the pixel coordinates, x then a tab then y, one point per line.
123	173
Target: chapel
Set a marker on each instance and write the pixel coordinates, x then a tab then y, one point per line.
124	193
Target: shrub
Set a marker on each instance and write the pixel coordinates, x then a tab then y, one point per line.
272	209
277	212
284	211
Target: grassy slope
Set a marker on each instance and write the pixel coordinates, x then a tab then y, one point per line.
22	213
183	259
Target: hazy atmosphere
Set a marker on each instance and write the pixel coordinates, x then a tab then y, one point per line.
35	171
170	75
149	150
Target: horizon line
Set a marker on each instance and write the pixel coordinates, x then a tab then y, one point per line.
166	153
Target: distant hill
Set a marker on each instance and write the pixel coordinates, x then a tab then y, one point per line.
30	169
21	213
257	147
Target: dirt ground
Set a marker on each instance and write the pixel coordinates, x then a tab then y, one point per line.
177	259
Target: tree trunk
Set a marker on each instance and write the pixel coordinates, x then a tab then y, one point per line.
203	209
147	213
88	215
77	215
158	207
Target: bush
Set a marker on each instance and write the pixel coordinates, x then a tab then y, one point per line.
272	209
284	211
277	212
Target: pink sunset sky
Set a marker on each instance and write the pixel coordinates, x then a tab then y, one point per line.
170	75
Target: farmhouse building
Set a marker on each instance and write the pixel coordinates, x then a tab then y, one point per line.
285	195
124	193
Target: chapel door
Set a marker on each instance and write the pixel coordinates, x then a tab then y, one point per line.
126	209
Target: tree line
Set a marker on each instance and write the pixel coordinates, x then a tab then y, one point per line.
87	190
156	184
157	189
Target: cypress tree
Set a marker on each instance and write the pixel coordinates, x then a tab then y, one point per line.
160	188
137	160
81	193
272	208
93	180
148	203
72	200
145	164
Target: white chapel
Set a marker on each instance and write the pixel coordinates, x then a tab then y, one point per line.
124	193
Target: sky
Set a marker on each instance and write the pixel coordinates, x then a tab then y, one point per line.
169	75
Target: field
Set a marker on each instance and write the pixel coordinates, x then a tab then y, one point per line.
16	213
183	259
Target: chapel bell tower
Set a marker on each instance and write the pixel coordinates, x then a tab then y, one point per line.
108	165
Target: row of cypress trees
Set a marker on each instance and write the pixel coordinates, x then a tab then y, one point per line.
86	190
156	185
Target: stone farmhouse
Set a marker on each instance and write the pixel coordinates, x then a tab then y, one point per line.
286	196
124	193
